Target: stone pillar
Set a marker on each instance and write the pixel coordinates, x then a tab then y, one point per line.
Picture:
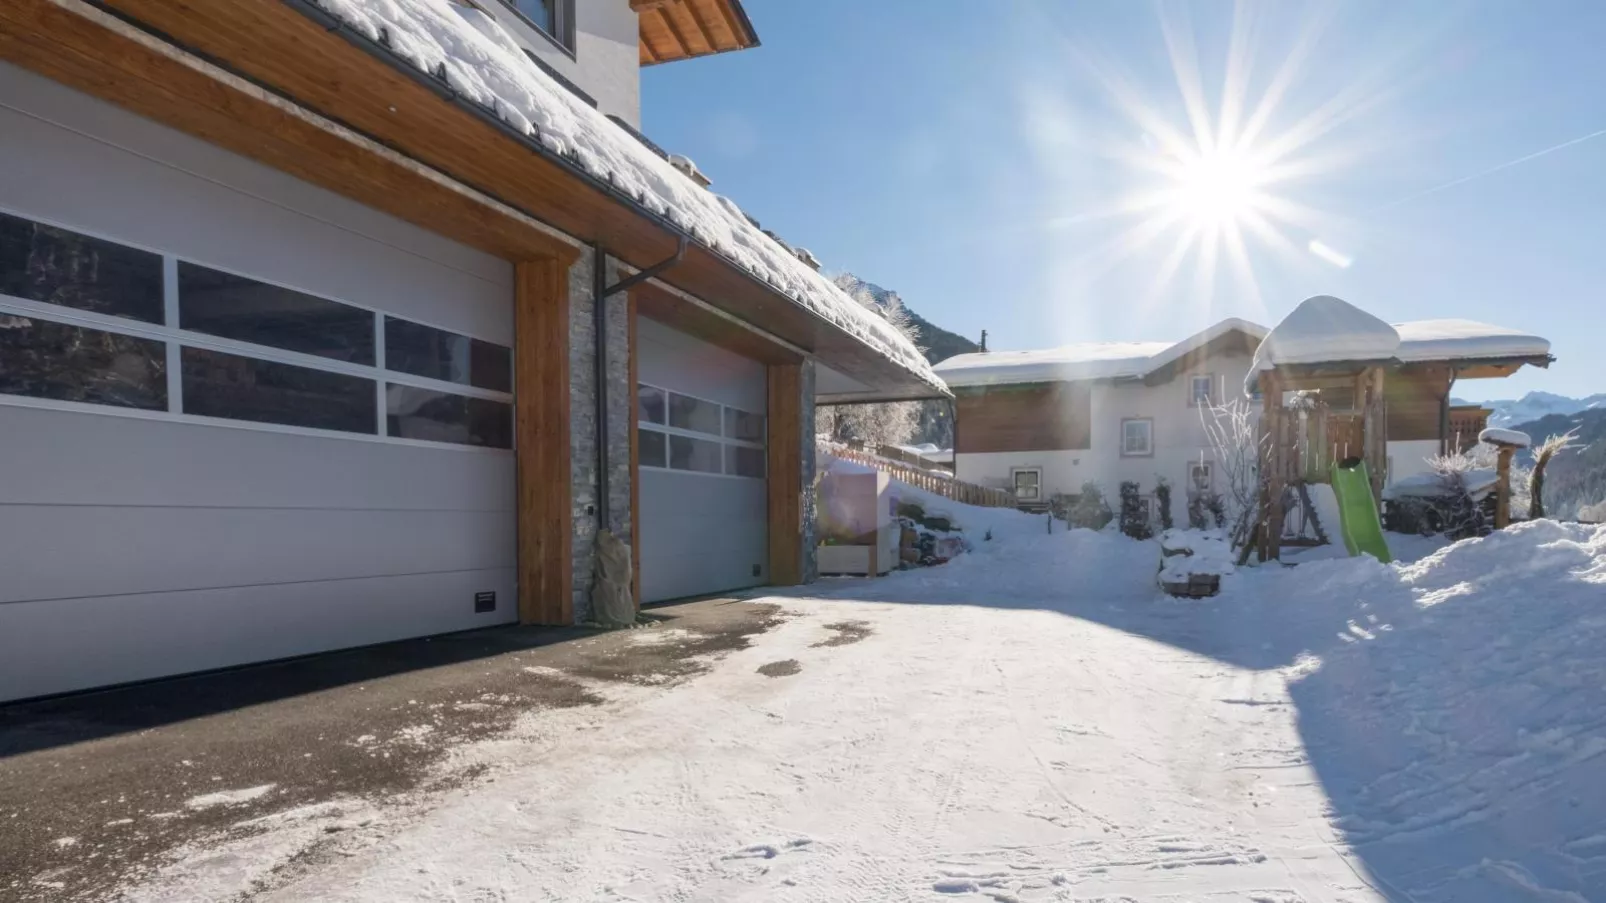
806	460
583	420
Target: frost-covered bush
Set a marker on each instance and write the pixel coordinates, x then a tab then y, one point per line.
1162	500
1087	509
1134	513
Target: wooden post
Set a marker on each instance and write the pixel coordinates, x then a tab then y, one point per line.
785	480
541	427
1502	487
1272	454
1374	440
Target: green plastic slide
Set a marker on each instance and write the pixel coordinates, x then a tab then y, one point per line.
1357	511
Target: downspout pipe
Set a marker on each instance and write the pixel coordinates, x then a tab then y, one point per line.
601	292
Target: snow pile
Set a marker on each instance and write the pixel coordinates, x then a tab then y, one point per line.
1194	553
477	59
1477	484
1325	329
1437	340
1498	436
1457	725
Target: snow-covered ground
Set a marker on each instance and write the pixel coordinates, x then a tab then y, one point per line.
1034	721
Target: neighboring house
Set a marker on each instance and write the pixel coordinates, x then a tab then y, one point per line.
1042	423
301	345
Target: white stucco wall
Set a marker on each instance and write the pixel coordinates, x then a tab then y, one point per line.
604	62
1179	440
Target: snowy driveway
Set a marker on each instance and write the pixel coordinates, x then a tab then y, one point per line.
1028	723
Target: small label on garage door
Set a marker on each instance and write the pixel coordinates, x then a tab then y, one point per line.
485	601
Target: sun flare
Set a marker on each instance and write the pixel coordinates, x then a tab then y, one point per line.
1216	189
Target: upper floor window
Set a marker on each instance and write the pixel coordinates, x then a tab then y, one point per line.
1137	437
554	17
1201	391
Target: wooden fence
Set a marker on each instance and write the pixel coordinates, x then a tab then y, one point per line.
937	484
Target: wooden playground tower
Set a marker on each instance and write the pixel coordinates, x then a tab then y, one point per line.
1299	446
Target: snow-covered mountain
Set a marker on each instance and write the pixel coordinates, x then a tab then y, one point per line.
1534	405
939	344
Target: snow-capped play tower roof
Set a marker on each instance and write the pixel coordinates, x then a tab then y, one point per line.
1323	330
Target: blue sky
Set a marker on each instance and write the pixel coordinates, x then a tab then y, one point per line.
980	159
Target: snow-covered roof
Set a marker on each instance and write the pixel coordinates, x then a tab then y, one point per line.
1325	329
471	52
1200	339
1085	360
1436	340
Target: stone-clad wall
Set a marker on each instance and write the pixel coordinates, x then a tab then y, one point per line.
583	423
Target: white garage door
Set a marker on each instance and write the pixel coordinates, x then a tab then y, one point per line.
243	418
700	421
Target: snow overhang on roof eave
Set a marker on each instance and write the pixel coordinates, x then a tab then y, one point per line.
302	52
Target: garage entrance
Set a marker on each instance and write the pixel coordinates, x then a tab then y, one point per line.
700	420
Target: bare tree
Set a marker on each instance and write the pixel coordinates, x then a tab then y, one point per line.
875	423
1233	432
1552	447
881	423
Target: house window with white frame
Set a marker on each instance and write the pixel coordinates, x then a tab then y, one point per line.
1201	390
1199	476
1028	483
1137	437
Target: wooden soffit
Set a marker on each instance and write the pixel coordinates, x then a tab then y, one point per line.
338	76
682	29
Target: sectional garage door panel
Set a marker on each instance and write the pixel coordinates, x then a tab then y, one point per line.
703	494
295	472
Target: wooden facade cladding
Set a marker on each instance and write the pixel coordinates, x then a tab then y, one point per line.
541	430
1417	399
681	29
1036	417
785	461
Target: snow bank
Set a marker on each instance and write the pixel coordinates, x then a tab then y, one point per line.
1194	553
1498	436
1437	340
1433	485
1457	717
484	65
1326	329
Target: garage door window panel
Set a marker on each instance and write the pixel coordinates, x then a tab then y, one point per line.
650	404
50	265
694	414
447	356
652	449
743	461
62	362
435	416
697	455
235	387
247	310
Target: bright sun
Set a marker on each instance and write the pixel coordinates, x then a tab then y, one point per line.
1216	189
